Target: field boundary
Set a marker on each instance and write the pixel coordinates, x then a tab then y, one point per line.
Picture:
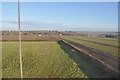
110	67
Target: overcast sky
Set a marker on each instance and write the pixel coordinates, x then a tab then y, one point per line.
76	16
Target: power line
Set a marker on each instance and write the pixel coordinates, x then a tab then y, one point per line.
20	48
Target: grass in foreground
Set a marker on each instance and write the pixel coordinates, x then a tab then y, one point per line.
40	60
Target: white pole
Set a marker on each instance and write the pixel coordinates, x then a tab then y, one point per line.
20	48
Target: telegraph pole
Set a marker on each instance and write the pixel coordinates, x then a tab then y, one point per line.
20	48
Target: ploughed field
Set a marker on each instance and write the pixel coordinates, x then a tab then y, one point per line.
28	38
40	60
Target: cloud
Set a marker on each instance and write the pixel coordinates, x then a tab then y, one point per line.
35	25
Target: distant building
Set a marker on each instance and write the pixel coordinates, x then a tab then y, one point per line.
9	31
39	35
93	35
60	34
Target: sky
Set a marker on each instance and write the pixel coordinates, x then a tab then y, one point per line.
70	16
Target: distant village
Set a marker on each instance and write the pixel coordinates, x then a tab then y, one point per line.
60	33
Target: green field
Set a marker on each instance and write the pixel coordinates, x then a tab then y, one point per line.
109	41
40	60
107	49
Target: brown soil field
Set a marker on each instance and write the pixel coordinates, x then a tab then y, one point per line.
28	38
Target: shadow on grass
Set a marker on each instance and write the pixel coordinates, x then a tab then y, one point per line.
84	64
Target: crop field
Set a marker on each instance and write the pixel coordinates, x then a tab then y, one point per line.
40	60
107	49
109	41
49	57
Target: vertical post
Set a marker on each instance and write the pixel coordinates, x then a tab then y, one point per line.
20	48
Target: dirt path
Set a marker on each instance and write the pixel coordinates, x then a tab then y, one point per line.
87	67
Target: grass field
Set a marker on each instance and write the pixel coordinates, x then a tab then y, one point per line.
109	41
40	60
107	49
